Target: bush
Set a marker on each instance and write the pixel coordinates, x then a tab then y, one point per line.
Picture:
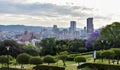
96	66
71	57
87	53
44	67
108	54
49	59
35	60
79	59
3	60
4	68
23	59
98	55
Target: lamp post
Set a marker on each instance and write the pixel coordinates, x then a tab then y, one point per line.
8	56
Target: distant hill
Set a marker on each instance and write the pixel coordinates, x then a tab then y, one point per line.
21	28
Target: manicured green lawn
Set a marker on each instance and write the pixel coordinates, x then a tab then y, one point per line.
71	65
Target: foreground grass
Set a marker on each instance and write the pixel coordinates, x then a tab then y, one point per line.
71	68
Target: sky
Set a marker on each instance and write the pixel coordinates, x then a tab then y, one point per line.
59	12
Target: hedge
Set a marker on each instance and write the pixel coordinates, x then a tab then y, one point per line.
45	67
5	68
97	66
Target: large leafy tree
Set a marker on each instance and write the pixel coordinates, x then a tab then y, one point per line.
14	48
111	34
100	44
48	46
77	46
71	46
62	45
31	50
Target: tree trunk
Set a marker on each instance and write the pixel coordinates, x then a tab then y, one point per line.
102	59
22	66
109	61
94	60
64	65
113	61
117	61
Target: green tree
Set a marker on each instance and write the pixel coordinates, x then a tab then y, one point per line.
98	55
77	46
48	46
111	34
63	56
61	48
3	60
97	45
31	50
23	59
49	59
80	59
108	54
14	50
35	60
62	45
117	54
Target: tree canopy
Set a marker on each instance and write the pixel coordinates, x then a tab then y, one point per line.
14	48
111	34
48	46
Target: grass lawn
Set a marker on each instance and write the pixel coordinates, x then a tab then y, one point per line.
71	68
71	65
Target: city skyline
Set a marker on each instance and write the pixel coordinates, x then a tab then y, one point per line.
58	12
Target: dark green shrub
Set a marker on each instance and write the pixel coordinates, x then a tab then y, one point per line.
96	66
71	57
79	59
117	54
23	59
49	59
98	55
3	60
44	67
108	54
87	53
4	68
35	60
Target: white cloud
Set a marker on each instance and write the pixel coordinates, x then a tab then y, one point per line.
60	12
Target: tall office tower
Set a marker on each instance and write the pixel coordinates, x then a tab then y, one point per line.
72	26
55	26
90	27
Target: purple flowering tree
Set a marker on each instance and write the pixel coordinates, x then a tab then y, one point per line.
93	36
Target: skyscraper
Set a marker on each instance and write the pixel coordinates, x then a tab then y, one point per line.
90	27
55	29
72	26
